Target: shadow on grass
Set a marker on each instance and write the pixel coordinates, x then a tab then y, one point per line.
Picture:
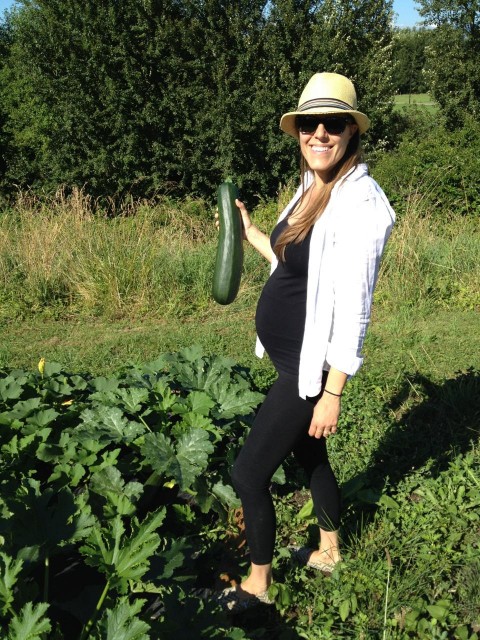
442	422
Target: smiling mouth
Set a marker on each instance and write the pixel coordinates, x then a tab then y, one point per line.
320	149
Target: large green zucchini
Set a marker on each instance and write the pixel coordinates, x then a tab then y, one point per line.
229	260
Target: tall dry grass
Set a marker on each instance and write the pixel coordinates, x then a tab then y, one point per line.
64	257
153	258
429	261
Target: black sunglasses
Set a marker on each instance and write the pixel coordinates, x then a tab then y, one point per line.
334	125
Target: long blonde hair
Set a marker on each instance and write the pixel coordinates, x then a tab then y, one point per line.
298	230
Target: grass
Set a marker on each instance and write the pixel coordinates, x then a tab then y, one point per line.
423	100
95	294
437	344
67	257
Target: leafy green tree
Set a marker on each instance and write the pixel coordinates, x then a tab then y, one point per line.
5	41
287	49
175	95
453	56
409	56
215	131
131	97
358	37
87	93
303	37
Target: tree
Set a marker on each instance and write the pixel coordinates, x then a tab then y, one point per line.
224	39
86	93
409	57
175	95
359	40
5	42
453	56
129	97
287	48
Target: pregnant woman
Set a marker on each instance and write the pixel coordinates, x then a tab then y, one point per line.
311	320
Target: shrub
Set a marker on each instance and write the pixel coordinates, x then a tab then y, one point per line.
435	164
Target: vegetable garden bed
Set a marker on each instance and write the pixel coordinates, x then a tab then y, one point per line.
117	516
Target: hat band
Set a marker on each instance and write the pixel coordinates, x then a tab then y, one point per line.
330	103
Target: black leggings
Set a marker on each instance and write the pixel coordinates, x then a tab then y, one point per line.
281	427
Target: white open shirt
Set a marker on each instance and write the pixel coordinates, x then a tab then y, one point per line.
345	250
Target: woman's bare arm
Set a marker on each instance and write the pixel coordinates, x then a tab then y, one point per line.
255	237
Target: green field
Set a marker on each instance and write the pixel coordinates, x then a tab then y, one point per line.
415	99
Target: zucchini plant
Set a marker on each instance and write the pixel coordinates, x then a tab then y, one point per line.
109	491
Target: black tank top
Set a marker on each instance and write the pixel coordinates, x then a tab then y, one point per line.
281	309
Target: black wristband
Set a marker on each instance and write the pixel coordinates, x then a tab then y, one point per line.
337	395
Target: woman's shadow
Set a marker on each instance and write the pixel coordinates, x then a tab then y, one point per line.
443	423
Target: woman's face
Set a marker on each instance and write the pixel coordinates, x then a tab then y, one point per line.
324	141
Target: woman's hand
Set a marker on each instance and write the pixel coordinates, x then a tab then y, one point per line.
255	237
325	416
246	221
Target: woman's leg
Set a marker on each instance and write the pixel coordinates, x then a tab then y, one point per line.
282	419
313	457
329	548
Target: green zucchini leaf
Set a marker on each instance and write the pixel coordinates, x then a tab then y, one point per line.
30	624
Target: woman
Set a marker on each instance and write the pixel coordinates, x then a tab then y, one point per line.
311	319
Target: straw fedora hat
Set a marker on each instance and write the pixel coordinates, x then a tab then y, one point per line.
326	93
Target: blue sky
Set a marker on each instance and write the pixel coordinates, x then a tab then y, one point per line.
5	4
407	15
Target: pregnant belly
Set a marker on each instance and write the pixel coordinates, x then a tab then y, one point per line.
280	327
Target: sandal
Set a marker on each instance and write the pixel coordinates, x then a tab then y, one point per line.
236	600
302	556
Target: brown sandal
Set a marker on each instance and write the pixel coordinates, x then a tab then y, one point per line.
302	556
